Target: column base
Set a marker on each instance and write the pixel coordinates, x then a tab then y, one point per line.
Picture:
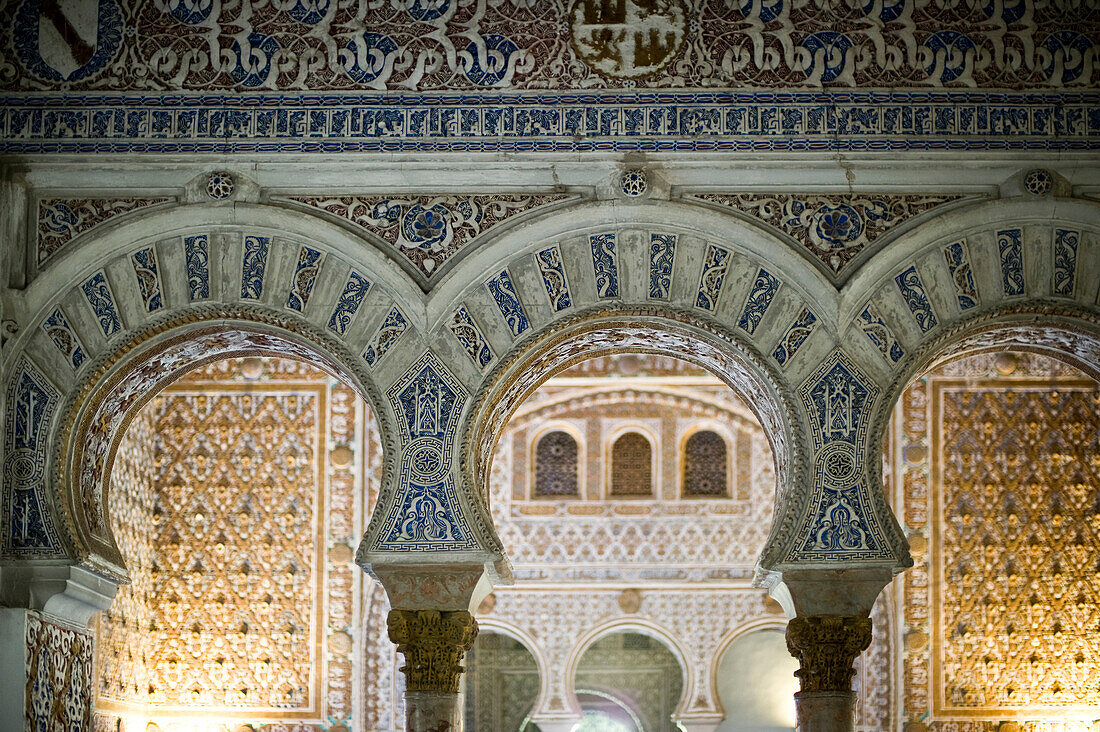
825	711
432	711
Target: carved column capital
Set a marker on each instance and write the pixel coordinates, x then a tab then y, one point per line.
826	646
433	643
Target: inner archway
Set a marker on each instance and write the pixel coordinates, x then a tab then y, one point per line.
240	491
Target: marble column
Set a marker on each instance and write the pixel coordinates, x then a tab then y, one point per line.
826	646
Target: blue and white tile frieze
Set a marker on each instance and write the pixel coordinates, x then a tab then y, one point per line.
253	266
912	290
716	264
426	515
880	334
1010	248
1064	262
504	295
553	121
605	264
958	266
97	291
148	278
758	300
64	337
388	332
552	270
662	256
796	335
355	289
305	274
838	398
196	252
469	335
27	527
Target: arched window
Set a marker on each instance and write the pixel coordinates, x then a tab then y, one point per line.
556	465
631	466
705	465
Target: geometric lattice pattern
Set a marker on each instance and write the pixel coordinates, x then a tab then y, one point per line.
705	465
1017	627
234	611
631	466
556	465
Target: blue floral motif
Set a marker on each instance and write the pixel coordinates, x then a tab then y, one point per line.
391	329
765	10
310	12
1066	51
951	55
795	336
1064	272
1011	248
891	9
469	335
98	294
64	337
253	264
486	62
27	528
552	270
426	226
604	264
197	254
1011	10
958	266
355	289
835	226
148	278
716	263
872	324
504	295
305	274
86	60
662	254
427	10
191	12
758	300
426	515
254	62
912	289
365	57
833	50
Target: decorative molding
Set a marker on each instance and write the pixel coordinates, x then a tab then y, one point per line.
605	265
305	274
757	121
355	289
387	334
1064	262
662	257
912	290
834	229
552	270
962	277
196	252
716	264
879	333
429	231
1011	249
759	299
475	345
64	337
253	266
504	295
60	220
97	292
148	278
797	333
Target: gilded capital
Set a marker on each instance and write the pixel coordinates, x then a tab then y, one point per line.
826	646
433	643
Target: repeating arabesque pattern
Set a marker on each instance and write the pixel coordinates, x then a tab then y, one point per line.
62	219
834	229
452	45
